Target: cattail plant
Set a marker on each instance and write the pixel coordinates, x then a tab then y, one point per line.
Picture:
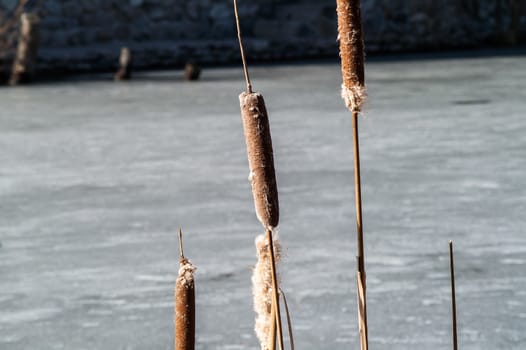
353	93
264	190
184	303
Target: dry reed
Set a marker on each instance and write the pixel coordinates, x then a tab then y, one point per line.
289	320
184	303
453	296
264	190
353	92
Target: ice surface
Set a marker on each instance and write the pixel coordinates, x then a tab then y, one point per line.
96	178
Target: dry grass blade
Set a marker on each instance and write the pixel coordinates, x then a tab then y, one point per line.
184	303
289	320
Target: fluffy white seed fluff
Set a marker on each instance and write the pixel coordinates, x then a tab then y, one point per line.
354	97
186	273
262	288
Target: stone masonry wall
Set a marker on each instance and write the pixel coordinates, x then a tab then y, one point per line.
87	34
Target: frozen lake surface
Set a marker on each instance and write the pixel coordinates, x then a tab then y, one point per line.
96	177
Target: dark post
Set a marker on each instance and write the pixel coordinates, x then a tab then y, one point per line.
26	53
192	71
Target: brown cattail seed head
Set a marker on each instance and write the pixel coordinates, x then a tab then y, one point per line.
185	307
350	36
260	158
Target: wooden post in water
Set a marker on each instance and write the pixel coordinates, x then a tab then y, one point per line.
26	53
125	65
192	71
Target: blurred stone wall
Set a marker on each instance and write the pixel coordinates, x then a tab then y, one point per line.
87	34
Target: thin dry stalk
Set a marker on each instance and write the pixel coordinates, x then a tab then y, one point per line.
362	313
184	303
453	296
289	320
242	50
360	258
272	334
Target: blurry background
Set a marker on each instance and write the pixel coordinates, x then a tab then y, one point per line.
87	34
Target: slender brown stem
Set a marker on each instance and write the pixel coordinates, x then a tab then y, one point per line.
272	335
181	255
358	193
453	296
362	303
275	289
245	68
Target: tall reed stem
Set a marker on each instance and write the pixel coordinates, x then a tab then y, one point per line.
289	321
240	40
272	335
453	296
361	293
